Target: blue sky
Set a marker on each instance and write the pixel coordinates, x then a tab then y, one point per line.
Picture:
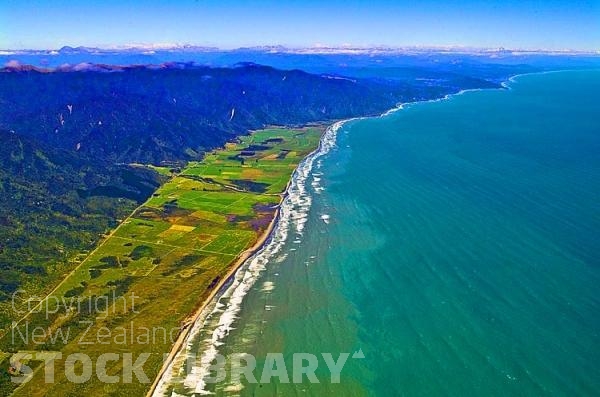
550	24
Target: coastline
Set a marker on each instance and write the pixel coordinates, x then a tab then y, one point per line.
160	382
504	85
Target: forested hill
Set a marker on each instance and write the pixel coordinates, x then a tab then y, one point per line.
177	111
55	203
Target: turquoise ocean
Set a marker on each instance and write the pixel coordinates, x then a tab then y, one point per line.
455	243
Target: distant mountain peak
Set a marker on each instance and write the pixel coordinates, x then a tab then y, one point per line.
77	50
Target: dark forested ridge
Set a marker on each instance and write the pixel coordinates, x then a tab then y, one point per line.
67	136
51	207
148	115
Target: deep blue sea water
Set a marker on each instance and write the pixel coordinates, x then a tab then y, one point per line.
455	242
